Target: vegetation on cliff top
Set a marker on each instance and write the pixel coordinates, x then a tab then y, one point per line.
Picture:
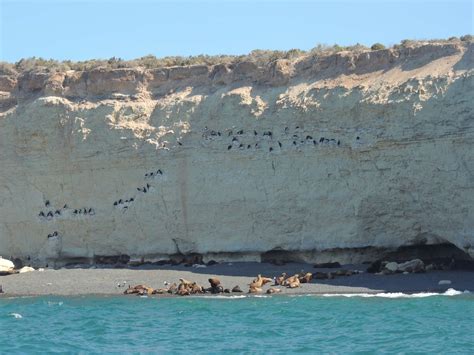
261	57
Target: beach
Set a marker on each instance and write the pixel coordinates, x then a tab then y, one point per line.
97	280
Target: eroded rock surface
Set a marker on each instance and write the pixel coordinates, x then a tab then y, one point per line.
317	156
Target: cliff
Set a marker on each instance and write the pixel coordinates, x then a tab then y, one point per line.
342	156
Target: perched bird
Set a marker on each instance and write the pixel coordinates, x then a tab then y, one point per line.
229	147
279	143
115	203
47	201
41	214
240	132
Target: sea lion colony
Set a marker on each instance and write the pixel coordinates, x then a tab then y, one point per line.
187	288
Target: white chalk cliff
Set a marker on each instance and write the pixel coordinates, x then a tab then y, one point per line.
342	155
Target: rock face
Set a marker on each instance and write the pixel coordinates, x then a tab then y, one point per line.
342	156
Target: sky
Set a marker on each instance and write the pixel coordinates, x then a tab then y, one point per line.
92	29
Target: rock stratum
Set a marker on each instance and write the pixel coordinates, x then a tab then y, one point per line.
335	157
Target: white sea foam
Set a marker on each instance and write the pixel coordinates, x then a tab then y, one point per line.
16	315
449	292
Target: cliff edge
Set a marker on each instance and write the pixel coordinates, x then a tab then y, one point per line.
342	156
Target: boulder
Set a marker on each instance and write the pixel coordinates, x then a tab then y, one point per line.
6	265
26	269
327	265
415	265
392	266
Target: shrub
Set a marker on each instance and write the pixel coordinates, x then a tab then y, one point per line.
467	38
377	46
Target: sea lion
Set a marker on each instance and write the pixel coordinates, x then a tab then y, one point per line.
254	289
236	289
172	288
183	292
294	284
279	280
290	280
226	290
306	278
273	290
214	282
195	288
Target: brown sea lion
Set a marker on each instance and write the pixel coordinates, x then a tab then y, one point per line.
172	288
160	291
306	278
185	282
214	281
183	292
273	290
195	288
291	279
294	284
279	280
254	289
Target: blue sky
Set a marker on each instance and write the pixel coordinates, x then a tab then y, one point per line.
86	29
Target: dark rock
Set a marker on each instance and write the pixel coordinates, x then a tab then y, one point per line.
226	290
375	267
320	275
211	262
18	263
111	259
327	265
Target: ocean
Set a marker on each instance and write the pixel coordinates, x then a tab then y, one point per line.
393	323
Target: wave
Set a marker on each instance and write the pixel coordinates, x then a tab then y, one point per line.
448	292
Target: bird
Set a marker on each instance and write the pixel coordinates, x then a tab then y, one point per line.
338	142
279	143
295	136
248	146
50	214
144	190
255	133
180	143
75	212
286	130
41	214
152	174
120	201
309	138
159	172
229	147
321	139
115	203
241	146
230	133
146	175
58	213
132	199
139	189
148	186
65	206
270	149
234	139
47	201
358	138
240	132
55	234
49	236
294	143
218	133
90	210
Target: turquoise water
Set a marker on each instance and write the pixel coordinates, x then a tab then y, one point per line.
279	324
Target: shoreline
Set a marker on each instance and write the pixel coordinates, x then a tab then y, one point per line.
105	281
